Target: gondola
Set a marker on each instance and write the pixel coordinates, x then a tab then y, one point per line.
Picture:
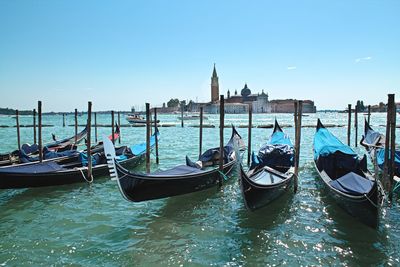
52	173
374	143
271	172
179	180
346	177
28	153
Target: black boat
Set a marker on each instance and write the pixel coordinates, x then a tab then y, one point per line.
271	171
346	177
52	173
182	179
374	143
29	153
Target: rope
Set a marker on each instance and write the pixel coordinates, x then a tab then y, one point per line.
83	175
223	175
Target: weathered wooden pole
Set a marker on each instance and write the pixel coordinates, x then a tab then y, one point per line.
386	177
369	113
88	143
95	127
34	126
148	137
221	137
298	115
155	130
355	125
392	165
112	127
40	130
119	125
63	119
18	132
182	114
76	125
249	135
349	125
201	132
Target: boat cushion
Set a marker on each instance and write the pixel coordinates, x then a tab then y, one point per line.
352	184
179	170
42	167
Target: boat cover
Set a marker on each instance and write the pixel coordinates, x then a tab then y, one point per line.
178	170
29	149
326	143
280	138
276	155
43	167
380	159
371	137
352	184
141	148
212	154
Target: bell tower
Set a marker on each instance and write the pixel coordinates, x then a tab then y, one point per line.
214	86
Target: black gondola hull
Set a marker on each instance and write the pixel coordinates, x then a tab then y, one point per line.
364	208
258	196
28	180
138	188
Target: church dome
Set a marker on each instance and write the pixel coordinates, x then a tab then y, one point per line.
245	91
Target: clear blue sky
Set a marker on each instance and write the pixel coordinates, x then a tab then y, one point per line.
123	53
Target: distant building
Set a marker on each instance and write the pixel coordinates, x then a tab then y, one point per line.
235	104
214	87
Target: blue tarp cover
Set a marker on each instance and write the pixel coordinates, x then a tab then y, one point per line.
380	159
178	170
353	184
141	148
326	143
43	167
280	138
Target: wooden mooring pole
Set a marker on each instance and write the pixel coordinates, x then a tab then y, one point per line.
88	139
356	125
63	119
182	114
95	127
112	127
34	126
40	131
249	135
392	164
201	132
386	178
76	125
18	132
349	125
298	118
156	132
119	125
148	137
221	137
369	114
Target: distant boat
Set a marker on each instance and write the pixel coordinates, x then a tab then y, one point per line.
191	117
137	119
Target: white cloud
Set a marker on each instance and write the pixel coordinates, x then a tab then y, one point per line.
291	67
363	59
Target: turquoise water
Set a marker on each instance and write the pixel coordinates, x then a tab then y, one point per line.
93	225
